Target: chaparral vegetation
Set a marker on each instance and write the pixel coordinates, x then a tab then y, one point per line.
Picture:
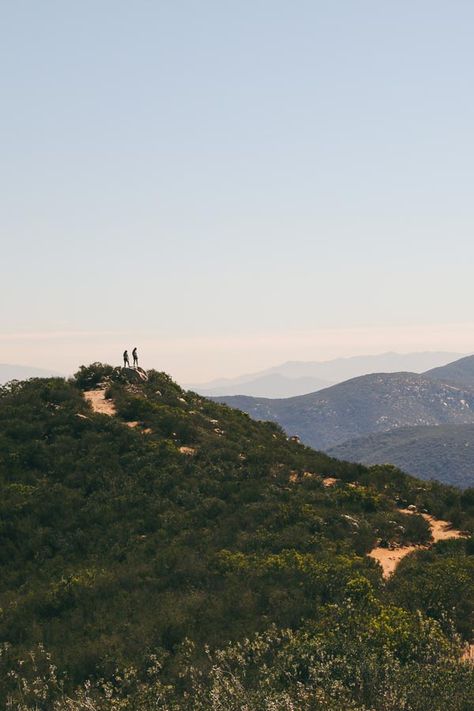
179	556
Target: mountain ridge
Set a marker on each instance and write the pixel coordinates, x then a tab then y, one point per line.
359	406
460	372
321	373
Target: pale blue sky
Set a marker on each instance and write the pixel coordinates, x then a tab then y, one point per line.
231	184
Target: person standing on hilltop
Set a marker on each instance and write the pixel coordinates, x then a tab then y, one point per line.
126	362
135	357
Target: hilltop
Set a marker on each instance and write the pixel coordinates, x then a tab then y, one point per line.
136	516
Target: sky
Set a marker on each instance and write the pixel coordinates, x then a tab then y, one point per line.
229	185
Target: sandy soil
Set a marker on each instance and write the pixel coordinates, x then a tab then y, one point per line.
468	653
329	481
99	403
441	530
389	559
103	406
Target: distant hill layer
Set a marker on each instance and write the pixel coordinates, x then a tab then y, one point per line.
442	452
357	407
271	385
23	372
300	377
460	373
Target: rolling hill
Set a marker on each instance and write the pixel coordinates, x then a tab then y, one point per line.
159	550
442	452
357	407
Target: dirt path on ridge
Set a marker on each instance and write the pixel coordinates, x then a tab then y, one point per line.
389	559
99	403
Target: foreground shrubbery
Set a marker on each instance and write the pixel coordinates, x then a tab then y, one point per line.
278	670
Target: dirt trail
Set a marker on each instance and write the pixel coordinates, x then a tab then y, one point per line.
468	654
441	530
98	402
389	559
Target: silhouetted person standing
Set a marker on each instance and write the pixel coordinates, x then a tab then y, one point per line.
135	358
126	362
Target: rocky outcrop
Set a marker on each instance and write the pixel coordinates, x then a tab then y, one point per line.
135	375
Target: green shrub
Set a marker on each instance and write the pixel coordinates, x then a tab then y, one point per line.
91	376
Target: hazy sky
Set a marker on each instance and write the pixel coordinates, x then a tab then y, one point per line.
228	185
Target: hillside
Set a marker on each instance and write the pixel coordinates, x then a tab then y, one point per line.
459	373
443	452
135	516
371	403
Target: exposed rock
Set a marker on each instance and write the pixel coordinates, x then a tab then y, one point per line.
135	375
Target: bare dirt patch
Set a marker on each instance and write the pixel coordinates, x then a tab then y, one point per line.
189	451
99	403
468	654
390	558
442	530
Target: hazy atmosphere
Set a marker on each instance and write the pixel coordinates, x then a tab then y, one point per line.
228	186
237	355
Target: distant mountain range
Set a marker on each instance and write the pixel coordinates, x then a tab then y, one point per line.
270	385
443	452
23	372
300	377
404	418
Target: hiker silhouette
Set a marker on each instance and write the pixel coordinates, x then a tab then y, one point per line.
126	362
135	358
